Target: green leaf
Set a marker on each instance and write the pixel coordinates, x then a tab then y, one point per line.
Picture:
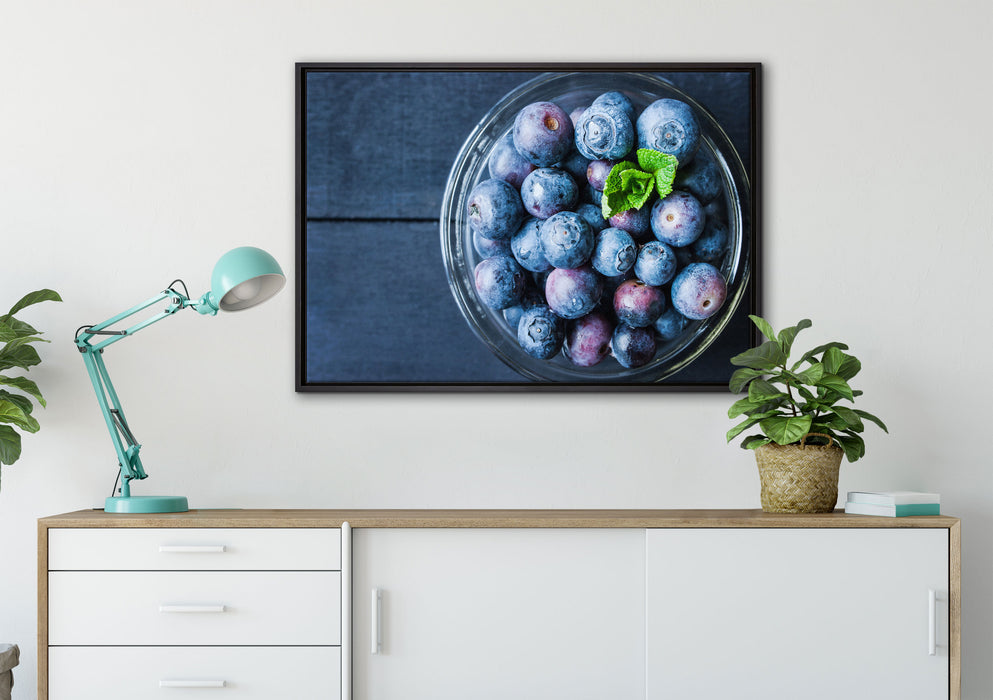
810	354
652	161
753	441
638	186
763	326
763	390
10	412
23	357
11	328
853	445
10	445
748	423
785	430
850	418
745	405
767	356
788	335
812	374
25	385
836	384
850	366
33	298
614	198
741	377
869	417
833	359
22	402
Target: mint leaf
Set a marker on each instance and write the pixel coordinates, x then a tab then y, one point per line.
626	187
662	166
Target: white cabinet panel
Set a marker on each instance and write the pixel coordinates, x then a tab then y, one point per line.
146	673
491	614
135	549
790	613
194	607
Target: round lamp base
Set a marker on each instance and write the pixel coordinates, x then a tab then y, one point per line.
146	504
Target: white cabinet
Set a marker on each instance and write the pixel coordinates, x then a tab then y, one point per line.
137	612
798	613
492	614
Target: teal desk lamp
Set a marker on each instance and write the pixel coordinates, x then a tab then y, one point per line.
242	278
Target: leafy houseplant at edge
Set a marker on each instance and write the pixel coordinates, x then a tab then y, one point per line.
16	352
801	409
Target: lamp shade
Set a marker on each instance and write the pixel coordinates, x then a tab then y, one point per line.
245	277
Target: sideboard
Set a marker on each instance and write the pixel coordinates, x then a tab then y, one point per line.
543	604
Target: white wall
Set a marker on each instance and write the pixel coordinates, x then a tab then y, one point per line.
139	141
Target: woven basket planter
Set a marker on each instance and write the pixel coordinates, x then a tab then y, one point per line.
799	478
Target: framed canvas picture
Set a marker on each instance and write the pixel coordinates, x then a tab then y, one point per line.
525	226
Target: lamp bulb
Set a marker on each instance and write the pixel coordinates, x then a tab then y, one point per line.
247	290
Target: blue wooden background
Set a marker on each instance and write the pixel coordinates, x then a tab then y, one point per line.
377	149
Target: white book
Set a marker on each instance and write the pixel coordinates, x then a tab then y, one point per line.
892	498
896	511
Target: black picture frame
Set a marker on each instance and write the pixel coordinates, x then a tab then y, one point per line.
370	140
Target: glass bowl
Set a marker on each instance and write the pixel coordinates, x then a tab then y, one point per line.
569	91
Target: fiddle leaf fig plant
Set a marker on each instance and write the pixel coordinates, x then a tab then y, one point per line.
16	352
789	401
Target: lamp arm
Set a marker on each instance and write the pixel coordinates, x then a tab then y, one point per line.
125	444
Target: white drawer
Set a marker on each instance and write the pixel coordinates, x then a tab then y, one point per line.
247	673
124	549
194	607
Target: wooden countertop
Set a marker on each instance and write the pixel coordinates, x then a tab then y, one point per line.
443	518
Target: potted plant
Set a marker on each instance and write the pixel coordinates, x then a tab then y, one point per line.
16	352
800	409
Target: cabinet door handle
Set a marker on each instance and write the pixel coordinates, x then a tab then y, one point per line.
192	684
377	621
191	548
191	608
932	621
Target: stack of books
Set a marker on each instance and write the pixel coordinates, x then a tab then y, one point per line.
893	504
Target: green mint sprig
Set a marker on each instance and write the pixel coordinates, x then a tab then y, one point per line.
630	185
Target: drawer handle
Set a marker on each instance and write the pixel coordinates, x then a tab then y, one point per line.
377	621
192	684
191	548
191	608
932	621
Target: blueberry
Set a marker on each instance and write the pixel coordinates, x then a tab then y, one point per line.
614	253
678	219
670	126
526	248
488	247
656	264
540	332
531	298
543	133
701	178
638	304
548	191
571	293
592	215
566	240
604	131
499	281
505	163
712	243
494	209
670	324
575	114
575	164
698	291
587	339
637	222
617	100
594	196
597	172
632	347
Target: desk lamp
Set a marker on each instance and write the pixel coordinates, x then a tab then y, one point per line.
242	278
